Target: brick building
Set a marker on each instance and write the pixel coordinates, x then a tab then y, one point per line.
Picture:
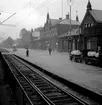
52	34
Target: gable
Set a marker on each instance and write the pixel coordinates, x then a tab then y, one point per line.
47	24
88	20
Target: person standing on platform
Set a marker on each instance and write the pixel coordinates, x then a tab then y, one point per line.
50	51
27	52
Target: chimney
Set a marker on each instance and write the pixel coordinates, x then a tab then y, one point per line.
67	16
77	18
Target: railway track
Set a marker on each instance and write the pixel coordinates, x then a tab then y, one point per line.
37	89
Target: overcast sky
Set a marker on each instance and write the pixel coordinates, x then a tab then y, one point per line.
29	16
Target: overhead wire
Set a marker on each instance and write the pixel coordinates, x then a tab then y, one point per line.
43	4
36	9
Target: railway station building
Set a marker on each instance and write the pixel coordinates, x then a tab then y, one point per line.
91	29
55	33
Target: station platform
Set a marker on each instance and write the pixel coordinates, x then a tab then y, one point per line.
87	76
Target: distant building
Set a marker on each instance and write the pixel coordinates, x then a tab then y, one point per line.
53	29
36	34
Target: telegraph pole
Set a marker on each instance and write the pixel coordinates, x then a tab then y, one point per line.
62	9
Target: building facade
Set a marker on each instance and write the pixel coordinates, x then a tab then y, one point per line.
52	34
35	37
91	28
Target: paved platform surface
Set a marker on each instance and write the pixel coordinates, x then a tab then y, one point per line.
85	75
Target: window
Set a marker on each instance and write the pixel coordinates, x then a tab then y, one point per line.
88	24
92	43
89	44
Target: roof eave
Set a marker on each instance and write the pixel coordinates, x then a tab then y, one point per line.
90	15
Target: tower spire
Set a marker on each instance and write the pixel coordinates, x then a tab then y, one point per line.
48	14
89	7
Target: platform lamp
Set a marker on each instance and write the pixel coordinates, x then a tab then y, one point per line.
31	38
70	3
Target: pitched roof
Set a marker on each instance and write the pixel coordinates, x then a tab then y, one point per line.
97	15
54	21
67	21
74	32
38	29
63	21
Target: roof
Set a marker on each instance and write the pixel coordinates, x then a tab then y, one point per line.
54	21
67	21
38	29
74	32
97	15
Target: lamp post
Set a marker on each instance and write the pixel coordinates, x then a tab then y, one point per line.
46	45
39	46
31	38
57	46
70	3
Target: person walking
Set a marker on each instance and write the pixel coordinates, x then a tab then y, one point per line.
27	52
50	51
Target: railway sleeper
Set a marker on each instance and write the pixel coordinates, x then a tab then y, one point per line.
37	79
36	99
24	82
65	101
34	96
49	91
27	72
58	97
38	82
55	94
42	85
38	103
25	85
29	89
32	93
69	104
45	88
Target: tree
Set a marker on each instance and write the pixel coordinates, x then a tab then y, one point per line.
25	37
7	42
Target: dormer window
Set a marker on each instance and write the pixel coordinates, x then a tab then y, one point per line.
85	25
88	24
92	24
